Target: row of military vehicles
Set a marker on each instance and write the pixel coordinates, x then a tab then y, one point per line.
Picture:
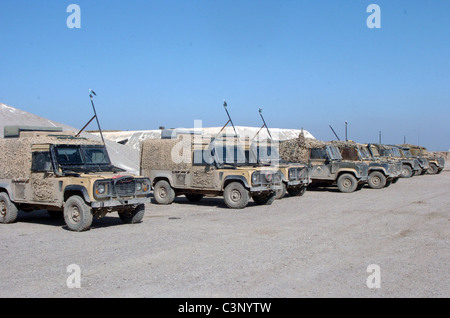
72	177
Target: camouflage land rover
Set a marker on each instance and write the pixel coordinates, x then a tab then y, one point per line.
424	164
325	164
435	164
410	166
295	176
381	172
47	169
198	167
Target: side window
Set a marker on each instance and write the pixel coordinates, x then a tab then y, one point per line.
41	162
317	153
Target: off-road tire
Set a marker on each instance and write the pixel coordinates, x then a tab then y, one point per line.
134	215
377	180
77	214
407	172
280	193
347	183
8	210
297	191
163	193
265	199
236	196
433	169
193	197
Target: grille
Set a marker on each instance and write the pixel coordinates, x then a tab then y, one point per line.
125	187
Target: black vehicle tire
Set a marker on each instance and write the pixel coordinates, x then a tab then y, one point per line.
77	214
193	197
433	169
377	180
347	183
417	172
236	196
407	172
163	193
134	215
280	193
265	199
297	191
8	209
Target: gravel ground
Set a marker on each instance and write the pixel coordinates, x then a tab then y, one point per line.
319	245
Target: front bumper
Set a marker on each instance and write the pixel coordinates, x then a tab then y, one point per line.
266	188
119	203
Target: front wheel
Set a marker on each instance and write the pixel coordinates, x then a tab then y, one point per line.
347	183
77	214
8	210
407	172
264	199
280	193
377	180
163	192
134	215
297	191
236	196
433	169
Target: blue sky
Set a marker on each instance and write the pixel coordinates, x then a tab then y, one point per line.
167	63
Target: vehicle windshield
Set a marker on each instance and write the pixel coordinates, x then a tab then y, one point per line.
334	153
396	152
374	151
407	153
79	158
229	154
265	154
364	153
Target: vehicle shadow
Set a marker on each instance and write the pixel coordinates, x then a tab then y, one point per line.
42	217
213	202
322	189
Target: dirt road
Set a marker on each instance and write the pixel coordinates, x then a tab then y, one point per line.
319	245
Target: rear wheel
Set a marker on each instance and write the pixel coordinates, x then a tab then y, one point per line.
264	199
194	197
236	196
407	172
77	214
163	192
280	193
433	169
347	183
134	215
8	210
377	180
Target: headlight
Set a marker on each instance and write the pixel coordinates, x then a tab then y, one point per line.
142	186
255	177
101	188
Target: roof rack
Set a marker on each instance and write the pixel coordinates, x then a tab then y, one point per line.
14	131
